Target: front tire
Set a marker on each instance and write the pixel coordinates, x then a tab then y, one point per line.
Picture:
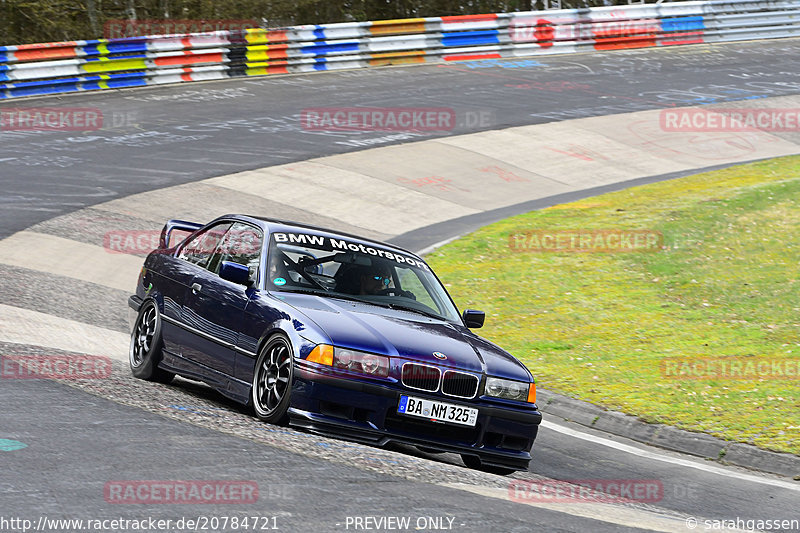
272	380
146	344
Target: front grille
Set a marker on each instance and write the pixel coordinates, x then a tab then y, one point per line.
421	377
460	384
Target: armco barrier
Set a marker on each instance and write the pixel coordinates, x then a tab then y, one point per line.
52	68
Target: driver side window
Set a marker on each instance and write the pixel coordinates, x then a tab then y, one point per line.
241	244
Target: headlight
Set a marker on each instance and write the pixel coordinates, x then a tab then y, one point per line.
352	360
511	390
364	363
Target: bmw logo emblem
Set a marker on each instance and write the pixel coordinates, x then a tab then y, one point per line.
439	355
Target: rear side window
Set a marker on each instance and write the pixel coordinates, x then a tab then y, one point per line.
199	249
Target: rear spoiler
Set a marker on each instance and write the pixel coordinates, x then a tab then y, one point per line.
180	225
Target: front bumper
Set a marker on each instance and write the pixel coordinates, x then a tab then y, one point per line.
367	412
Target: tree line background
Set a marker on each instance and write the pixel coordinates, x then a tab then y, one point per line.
32	21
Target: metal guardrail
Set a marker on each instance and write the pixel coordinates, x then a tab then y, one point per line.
53	68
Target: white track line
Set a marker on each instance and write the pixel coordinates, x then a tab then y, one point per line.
627	517
64	257
23	326
668	459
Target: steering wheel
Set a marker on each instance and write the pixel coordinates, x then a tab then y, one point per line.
396	292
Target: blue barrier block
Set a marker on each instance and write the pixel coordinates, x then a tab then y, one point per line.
91	50
4	77
3	56
323	48
117	48
119	75
109	78
680	24
39	83
141	82
319	32
49	89
70	85
127	47
470	38
118	84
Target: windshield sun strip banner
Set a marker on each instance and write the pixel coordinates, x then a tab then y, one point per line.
343	245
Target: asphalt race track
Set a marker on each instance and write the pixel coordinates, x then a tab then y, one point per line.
159	137
82	436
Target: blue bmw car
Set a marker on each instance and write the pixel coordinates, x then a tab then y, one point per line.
341	335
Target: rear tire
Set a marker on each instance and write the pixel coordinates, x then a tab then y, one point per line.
146	344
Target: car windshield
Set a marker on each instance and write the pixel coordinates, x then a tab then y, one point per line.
340	268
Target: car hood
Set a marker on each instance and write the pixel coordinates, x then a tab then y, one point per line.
376	329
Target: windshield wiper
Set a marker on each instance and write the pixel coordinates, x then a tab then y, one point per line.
330	294
341	296
303	291
415	310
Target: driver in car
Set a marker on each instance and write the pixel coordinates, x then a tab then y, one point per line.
372	282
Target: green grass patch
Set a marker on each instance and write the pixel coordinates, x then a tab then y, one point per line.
725	286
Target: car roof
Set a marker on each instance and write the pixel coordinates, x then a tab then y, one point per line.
278	225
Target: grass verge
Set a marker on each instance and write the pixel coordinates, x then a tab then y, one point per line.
657	334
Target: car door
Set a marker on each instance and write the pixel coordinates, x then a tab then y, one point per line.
178	273
214	307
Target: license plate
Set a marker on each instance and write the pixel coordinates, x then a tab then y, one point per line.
437	411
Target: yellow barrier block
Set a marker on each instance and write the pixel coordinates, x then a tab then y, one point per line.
265	71
397	58
385	27
106	64
396	61
264	53
260	35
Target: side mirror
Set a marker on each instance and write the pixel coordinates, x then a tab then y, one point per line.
235	273
473	319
